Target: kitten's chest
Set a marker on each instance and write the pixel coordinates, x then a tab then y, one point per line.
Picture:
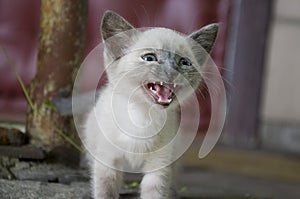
137	116
136	126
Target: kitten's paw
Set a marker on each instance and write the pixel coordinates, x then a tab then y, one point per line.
153	187
152	194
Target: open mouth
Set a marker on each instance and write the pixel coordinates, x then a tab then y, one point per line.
161	92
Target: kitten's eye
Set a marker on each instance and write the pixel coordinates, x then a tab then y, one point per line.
149	57
184	62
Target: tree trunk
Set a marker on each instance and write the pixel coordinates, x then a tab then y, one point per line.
60	53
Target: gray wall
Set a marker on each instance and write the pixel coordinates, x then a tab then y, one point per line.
280	112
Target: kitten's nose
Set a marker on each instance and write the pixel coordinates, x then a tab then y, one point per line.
171	73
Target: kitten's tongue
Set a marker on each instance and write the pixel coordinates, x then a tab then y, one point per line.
161	93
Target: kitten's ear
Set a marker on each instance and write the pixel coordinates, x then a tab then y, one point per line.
112	24
117	35
206	36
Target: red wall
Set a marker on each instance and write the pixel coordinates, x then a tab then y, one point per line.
19	27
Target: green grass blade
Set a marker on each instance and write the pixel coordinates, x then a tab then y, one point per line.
12	66
49	104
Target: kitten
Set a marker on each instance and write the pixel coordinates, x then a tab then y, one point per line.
135	118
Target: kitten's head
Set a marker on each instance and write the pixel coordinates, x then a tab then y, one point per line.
159	65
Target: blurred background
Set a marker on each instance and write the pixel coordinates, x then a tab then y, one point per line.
257	52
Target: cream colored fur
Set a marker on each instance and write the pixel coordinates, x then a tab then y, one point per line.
126	116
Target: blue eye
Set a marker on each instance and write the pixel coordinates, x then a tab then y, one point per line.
149	57
184	62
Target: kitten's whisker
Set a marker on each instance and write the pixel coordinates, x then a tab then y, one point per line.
227	82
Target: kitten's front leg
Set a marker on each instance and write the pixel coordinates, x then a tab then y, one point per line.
156	185
106	182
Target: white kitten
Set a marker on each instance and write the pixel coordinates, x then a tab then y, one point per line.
135	118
